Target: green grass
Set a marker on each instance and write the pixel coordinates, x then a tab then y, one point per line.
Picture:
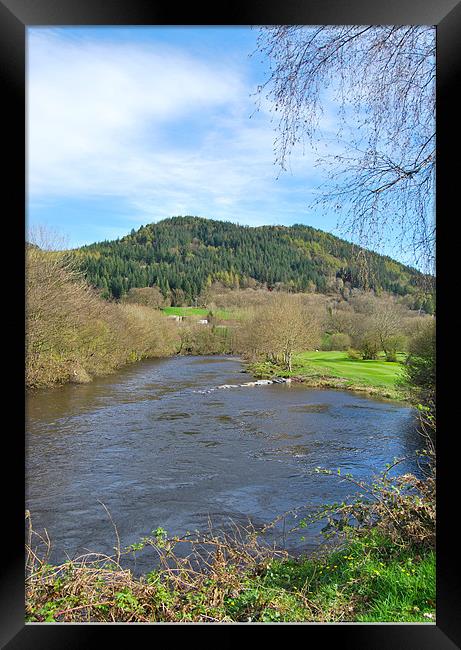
335	370
193	311
370	580
379	373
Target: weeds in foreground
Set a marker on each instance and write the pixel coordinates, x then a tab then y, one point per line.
96	587
382	569
401	508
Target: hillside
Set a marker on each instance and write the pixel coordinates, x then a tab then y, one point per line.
184	255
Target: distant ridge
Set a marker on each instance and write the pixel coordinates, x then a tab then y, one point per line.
186	254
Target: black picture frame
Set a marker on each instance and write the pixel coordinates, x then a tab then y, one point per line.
15	17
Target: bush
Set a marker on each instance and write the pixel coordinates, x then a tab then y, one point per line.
72	334
200	339
148	296
353	354
340	341
369	347
401	508
395	344
326	343
420	366
419	375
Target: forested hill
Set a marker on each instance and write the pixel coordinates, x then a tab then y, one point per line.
184	255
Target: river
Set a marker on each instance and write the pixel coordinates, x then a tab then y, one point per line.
161	445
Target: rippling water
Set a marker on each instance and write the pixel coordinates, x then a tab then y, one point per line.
159	449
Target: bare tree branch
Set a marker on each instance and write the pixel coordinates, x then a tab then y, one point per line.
382	81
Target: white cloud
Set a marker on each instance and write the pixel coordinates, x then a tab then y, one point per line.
89	102
100	123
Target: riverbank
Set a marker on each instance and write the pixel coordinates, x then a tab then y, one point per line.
227	457
73	335
319	369
369	579
382	571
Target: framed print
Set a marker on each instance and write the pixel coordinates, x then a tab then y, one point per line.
161	316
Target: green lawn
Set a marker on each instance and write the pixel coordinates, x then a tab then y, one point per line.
378	373
193	311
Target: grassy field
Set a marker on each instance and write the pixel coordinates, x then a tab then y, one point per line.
193	311
337	364
335	370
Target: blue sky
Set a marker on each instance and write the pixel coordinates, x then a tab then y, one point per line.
128	126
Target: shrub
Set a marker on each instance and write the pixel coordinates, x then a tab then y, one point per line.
369	346
419	377
326	343
401	508
353	354
205	339
394	344
72	334
148	296
421	364
340	341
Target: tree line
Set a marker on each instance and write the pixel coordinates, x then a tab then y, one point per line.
277	326
183	256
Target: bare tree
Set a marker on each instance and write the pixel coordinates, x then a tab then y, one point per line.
71	333
377	323
387	321
382	78
148	296
282	327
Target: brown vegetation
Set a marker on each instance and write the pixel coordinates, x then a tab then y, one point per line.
72	334
196	338
148	296
196	575
373	324
286	324
402	508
